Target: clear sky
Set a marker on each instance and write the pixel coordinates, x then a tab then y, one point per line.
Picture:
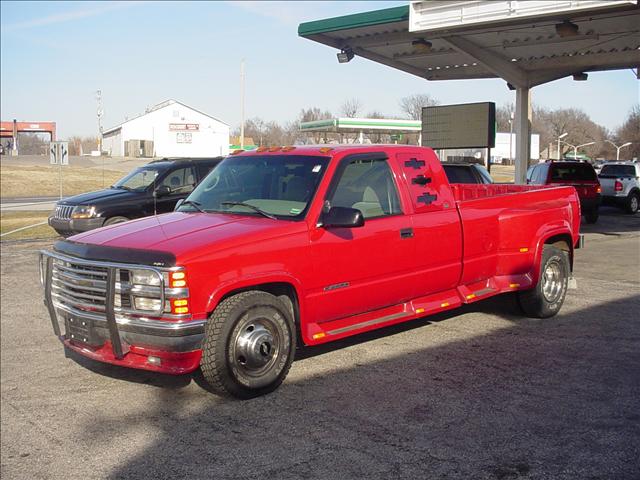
55	55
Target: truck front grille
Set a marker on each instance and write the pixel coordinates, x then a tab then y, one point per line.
63	212
80	286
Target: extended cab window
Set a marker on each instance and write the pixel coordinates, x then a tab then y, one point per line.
268	185
181	180
368	186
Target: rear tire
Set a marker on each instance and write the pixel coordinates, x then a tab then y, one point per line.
547	297
591	216
114	220
633	201
249	345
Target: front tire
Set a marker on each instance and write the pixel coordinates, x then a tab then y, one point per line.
633	202
249	345
547	297
115	220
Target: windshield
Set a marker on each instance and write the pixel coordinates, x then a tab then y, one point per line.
270	185
139	179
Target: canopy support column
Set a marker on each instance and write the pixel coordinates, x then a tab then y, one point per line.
523	133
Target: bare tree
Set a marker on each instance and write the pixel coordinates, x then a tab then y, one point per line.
630	132
310	115
376	114
503	117
412	105
313	113
351	107
550	124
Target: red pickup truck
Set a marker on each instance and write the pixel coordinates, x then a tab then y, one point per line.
303	244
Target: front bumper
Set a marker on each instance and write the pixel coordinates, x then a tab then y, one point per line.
70	226
169	345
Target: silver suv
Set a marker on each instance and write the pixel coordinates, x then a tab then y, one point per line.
620	183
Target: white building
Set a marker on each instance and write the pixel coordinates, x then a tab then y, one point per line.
170	129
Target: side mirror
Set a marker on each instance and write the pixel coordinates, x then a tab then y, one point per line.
162	191
178	203
342	217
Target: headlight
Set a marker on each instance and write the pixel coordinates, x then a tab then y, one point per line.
149	304
83	211
145	277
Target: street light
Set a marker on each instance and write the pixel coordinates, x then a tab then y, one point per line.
618	148
560	138
576	147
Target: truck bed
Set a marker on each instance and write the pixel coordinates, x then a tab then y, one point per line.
465	191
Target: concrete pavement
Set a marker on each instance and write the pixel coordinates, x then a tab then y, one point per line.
477	393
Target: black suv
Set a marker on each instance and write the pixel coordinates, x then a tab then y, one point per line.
153	188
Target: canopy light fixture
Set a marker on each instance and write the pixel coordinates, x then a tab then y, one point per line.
567	29
580	77
345	55
421	45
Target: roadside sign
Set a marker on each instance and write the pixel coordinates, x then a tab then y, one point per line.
53	153
59	153
63	153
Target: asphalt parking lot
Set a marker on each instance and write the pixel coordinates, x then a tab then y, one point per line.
478	393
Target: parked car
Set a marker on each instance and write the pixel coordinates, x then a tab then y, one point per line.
314	243
153	188
621	185
580	175
466	173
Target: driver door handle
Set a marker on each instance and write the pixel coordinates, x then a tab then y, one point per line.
406	233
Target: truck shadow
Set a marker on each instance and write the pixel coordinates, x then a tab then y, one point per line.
504	305
552	398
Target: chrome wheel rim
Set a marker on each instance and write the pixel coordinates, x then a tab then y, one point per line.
552	282
257	344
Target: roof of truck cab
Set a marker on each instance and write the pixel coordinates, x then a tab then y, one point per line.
329	149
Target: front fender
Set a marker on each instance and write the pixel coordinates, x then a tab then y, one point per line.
220	291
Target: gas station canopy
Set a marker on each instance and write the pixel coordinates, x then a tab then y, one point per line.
526	43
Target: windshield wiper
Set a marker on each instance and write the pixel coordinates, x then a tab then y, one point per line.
196	205
252	207
129	189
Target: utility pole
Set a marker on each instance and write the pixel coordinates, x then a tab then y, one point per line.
99	113
242	104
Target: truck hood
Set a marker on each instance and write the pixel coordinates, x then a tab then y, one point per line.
186	234
100	196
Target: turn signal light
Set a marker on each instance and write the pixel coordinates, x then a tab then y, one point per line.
598	189
178	279
179	306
